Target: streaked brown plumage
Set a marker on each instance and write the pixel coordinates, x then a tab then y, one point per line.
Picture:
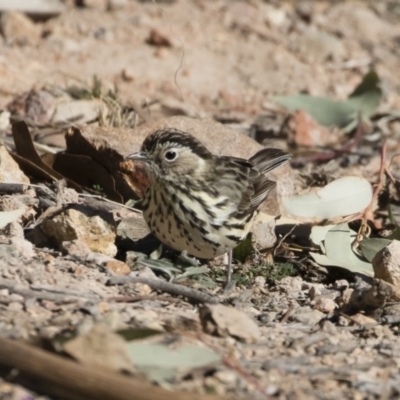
199	202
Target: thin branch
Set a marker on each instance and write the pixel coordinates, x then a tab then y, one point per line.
176	290
54	375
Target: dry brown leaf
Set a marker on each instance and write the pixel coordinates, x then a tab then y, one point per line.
88	173
29	159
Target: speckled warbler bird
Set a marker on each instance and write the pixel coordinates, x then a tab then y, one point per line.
199	202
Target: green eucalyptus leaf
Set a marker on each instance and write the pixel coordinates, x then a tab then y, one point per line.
369	247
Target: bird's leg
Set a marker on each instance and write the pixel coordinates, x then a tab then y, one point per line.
229	270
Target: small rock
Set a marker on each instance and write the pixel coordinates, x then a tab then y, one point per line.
328	327
226	377
36	105
259	281
76	248
307	316
346	297
276	17
81	111
68	196
361	319
145	272
98	258
117	267
341	284
127	75
15	306
19	29
314	292
9	169
291	285
325	305
343	321
142	289
386	263
73	224
24	247
263	234
305	131
16	298
159	38
225	321
4	120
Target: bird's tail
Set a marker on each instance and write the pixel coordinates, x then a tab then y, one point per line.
268	159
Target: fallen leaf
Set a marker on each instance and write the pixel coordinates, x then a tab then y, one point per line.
28	158
370	247
337	246
161	362
88	173
344	196
343	114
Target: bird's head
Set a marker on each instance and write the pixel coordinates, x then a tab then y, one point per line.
172	155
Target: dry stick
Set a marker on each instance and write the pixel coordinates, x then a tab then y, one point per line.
12	188
368	214
171	288
135	299
104	199
69	380
56	297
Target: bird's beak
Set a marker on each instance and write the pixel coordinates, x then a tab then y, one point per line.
139	156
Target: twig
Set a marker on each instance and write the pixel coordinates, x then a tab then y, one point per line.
287	314
283	238
60	298
368	214
57	376
63	292
12	188
102	198
135	299
176	290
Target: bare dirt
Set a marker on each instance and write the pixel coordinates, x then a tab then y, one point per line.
316	336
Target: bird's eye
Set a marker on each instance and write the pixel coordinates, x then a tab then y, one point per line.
171	155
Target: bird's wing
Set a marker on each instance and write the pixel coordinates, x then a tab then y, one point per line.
243	182
253	187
